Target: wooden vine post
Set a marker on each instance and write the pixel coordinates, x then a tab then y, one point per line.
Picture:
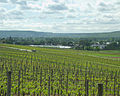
49	87
118	90
100	89
19	83
86	88
9	83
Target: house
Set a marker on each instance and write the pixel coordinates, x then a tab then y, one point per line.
98	46
107	43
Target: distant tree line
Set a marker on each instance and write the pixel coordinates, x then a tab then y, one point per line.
75	43
113	46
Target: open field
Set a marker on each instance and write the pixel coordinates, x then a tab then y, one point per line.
111	54
59	72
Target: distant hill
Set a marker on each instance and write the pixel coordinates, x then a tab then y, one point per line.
4	34
23	34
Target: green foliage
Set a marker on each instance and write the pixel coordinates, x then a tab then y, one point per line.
68	69
113	46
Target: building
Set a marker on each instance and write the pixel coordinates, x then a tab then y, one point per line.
98	46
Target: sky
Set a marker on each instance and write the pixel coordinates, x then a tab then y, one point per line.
60	16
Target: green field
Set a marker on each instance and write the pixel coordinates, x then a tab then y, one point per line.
58	72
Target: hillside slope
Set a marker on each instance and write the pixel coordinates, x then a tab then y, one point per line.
4	34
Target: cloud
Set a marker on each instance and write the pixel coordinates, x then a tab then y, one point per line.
57	1
118	3
23	5
51	12
60	15
102	4
16	12
108	7
105	7
71	16
2	17
13	1
3	1
13	15
2	14
58	7
2	10
108	16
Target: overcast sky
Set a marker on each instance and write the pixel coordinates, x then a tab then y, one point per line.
72	16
